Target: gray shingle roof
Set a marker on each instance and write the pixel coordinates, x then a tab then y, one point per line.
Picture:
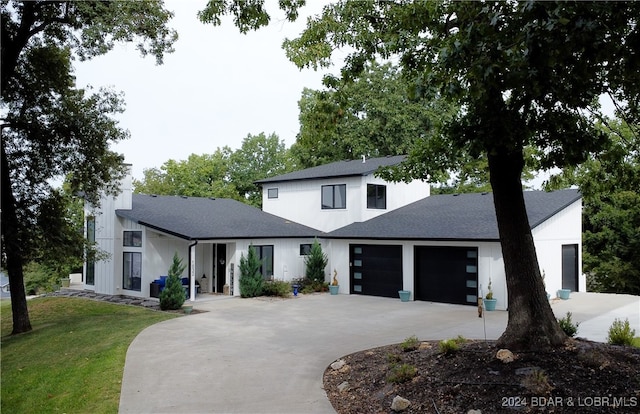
337	169
195	218
453	217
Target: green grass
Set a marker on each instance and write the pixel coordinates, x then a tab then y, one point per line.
73	359
636	342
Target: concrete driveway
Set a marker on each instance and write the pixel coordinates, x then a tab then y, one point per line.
268	356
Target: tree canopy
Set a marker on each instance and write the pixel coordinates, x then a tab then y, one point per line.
51	129
523	74
225	174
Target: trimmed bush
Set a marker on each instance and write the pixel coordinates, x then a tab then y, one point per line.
251	280
172	296
620	333
315	263
276	288
568	326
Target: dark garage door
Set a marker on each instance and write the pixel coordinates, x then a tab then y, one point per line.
447	274
375	270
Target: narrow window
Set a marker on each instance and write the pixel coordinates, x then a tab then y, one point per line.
334	196
90	275
265	254
132	238
132	271
376	196
272	193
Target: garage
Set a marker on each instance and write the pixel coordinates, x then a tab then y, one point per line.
446	274
375	270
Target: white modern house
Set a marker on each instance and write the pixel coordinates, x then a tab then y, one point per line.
380	237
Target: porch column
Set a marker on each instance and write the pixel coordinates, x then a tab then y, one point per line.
192	276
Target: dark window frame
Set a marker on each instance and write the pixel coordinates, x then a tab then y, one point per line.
132	238
328	199
90	271
128	280
305	249
377	196
266	263
271	191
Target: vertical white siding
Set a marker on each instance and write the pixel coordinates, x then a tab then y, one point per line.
300	201
563	228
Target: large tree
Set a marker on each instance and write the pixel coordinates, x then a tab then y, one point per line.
51	129
522	73
205	175
376	114
260	156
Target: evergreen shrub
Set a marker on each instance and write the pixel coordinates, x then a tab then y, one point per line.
173	296
251	280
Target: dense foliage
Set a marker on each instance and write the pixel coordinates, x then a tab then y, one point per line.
173	295
224	174
251	280
51	129
315	263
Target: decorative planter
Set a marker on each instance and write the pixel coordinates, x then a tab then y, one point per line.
66	282
333	289
548	296
404	295
187	309
564	293
490	304
295	290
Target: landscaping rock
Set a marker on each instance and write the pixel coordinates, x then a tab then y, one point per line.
474	412
505	356
399	403
338	364
343	387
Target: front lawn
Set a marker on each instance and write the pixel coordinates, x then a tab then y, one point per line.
73	359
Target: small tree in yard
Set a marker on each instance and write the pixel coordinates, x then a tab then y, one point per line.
251	280
172	296
315	263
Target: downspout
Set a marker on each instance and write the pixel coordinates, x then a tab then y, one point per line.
192	271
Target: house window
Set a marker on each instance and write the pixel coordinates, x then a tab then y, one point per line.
272	193
132	239
334	196
305	249
376	196
132	271
90	275
265	254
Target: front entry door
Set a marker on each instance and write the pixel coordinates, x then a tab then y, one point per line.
221	265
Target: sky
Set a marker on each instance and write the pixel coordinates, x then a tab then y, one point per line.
216	88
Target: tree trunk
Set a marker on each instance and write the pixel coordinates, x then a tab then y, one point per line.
531	324
11	241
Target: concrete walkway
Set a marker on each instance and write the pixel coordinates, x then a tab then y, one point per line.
268	356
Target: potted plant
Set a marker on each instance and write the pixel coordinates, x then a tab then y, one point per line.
333	288
489	301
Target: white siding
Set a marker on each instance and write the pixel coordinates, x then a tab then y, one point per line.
288	264
563	228
300	201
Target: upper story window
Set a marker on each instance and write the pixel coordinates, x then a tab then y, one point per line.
272	193
132	238
334	196
376	196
